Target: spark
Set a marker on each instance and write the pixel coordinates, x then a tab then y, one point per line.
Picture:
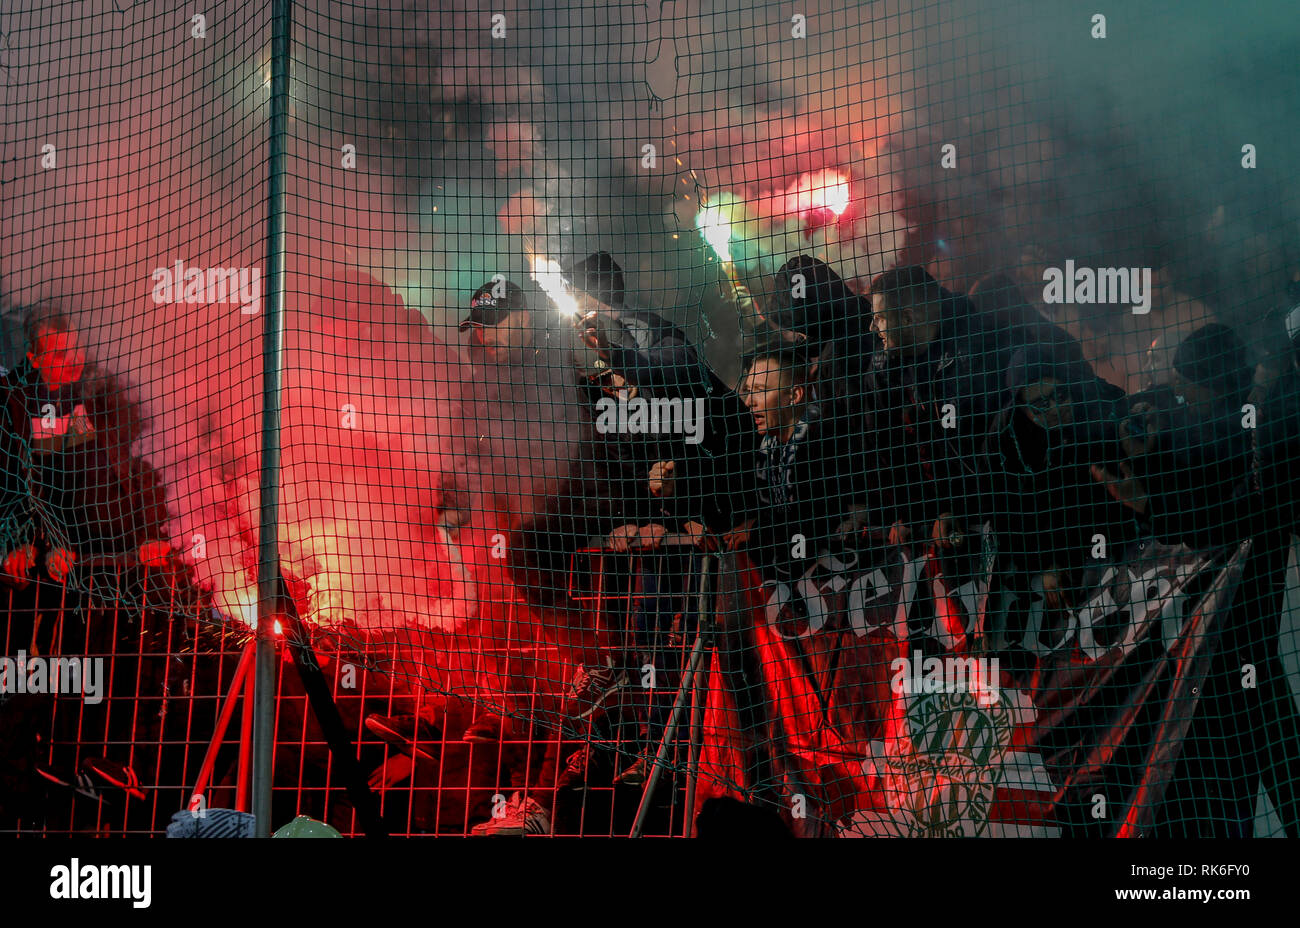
550	278
716	231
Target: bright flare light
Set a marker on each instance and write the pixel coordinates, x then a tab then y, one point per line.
550	278
716	230
820	190
835	197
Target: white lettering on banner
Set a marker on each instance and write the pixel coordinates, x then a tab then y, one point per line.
971	596
1033	638
1159	594
1126	599
809	597
879	589
960	754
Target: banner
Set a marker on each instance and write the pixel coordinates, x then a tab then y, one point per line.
896	692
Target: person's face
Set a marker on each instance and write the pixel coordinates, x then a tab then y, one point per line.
59	358
1047	404
500	342
770	397
898	329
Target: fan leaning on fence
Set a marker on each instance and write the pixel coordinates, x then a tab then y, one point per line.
70	490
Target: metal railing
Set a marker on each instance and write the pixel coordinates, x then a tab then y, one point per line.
173	728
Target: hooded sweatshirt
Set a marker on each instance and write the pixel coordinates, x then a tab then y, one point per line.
927	419
1049	508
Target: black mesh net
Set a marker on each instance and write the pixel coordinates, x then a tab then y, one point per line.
843	419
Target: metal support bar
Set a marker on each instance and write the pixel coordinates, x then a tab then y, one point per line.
688	685
237	688
268	560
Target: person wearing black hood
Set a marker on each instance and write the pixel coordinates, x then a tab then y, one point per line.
643	352
1003	310
600	277
1189	456
1232	485
933	388
814	302
1057	423
694	483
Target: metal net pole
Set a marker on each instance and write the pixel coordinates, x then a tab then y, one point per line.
268	562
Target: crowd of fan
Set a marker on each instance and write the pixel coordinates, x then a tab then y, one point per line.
914	415
908	413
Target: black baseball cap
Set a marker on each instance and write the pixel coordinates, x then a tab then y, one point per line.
487	309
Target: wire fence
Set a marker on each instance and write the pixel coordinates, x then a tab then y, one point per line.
649	419
168	708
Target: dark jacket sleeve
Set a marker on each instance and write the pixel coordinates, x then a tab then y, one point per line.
822	497
1199	485
964	482
715	478
652	353
17	523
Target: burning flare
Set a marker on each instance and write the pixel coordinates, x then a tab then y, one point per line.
820	190
550	278
715	228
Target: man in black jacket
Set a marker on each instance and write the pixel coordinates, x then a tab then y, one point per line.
1190	454
1206	476
71	489
695	484
1057	424
933	388
805	477
1242	736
